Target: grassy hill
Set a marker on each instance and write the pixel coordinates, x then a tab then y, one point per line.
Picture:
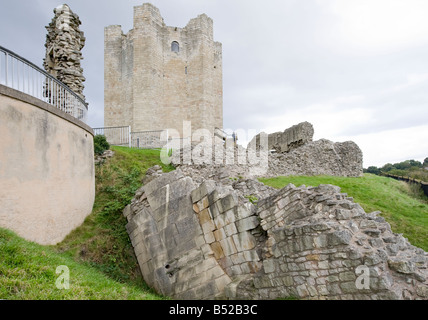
28	271
403	207
99	254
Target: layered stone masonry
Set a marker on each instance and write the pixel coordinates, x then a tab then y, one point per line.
64	42
318	239
158	77
208	240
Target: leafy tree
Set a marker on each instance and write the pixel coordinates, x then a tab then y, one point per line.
373	169
387	167
402	165
415	163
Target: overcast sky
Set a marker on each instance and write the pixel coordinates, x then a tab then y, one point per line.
356	69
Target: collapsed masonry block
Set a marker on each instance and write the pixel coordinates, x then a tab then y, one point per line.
204	241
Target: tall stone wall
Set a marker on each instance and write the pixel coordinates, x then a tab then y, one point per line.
64	42
158	76
247	241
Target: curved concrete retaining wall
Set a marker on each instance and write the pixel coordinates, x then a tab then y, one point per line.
47	178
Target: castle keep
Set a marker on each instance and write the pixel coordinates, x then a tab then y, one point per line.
156	76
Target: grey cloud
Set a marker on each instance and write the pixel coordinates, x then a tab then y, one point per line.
281	60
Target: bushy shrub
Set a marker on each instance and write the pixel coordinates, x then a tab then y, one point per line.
100	144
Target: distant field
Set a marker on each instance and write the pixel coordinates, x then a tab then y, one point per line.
405	210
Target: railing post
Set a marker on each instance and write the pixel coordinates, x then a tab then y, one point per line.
6	73
129	137
167	142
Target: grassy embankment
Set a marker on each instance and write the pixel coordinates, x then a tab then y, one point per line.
403	207
98	254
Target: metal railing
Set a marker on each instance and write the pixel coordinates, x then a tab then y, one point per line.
149	139
117	136
20	74
122	136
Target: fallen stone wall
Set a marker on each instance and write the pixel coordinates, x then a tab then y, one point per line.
303	157
243	240
318	242
321	157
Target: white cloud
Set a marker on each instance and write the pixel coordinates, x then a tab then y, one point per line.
411	80
380	25
393	145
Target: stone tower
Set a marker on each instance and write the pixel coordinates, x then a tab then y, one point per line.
156	76
64	42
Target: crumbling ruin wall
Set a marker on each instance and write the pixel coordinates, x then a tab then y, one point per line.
321	157
322	245
209	240
294	153
64	42
290	138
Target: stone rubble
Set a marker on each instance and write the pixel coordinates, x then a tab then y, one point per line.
212	240
304	157
64	42
321	157
100	159
212	231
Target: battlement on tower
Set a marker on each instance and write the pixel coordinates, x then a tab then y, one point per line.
147	14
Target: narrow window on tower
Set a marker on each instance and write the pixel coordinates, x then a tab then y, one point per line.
175	47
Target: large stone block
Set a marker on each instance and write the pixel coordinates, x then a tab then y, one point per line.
248	223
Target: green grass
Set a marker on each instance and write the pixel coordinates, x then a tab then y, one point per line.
406	211
28	272
98	253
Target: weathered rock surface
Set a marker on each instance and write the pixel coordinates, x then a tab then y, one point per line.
290	138
243	240
321	157
64	42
